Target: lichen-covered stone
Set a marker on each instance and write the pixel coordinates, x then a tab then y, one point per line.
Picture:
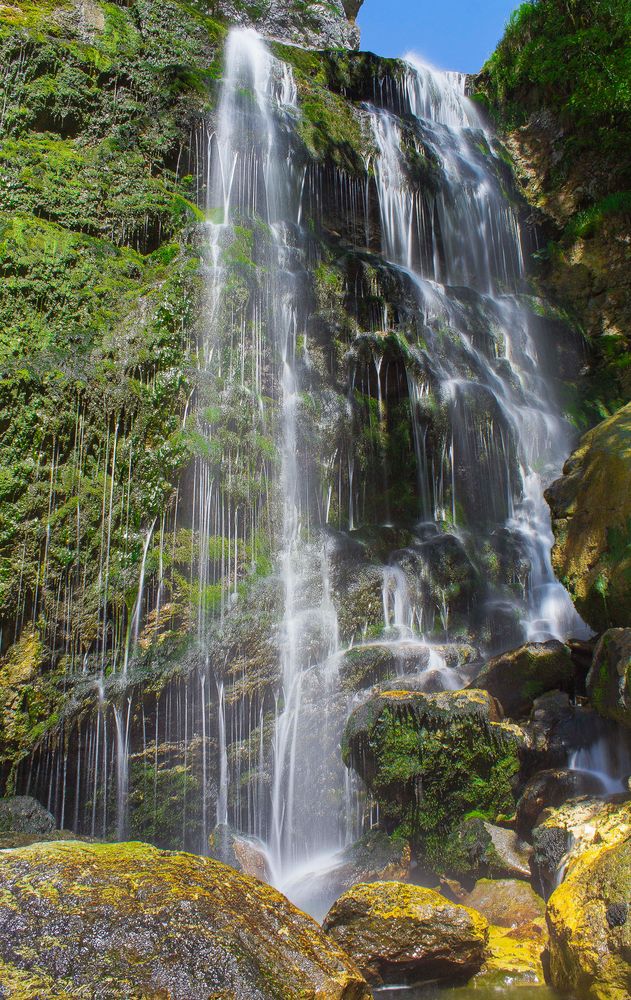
590	930
129	920
591	517
514	957
551	788
609	680
518	677
397	932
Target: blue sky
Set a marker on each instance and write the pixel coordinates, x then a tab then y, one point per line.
450	34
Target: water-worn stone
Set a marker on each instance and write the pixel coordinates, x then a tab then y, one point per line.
505	902
24	814
551	788
242	853
403	933
590	929
563	834
519	676
591	518
130	920
609	680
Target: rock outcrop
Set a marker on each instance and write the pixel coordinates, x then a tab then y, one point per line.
591	517
404	933
315	25
129	920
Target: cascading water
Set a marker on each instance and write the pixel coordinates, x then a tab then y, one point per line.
390	463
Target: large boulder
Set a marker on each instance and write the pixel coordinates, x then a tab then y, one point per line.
130	920
24	814
590	927
404	933
514	958
505	902
609	680
518	677
431	759
591	518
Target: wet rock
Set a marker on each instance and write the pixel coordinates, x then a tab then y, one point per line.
551	788
609	680
24	814
242	853
557	727
130	920
485	849
518	677
363	666
565	833
404	933
429	760
590	941
505	902
591	518
514	956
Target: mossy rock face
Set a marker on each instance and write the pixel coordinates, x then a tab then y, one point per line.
404	933
432	759
130	920
590	927
518	677
479	848
591	517
609	680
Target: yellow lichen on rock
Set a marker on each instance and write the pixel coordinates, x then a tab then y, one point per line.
588	921
514	954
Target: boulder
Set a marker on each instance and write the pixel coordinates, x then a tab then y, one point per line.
24	814
506	902
518	677
589	921
609	680
481	848
404	933
591	518
431	759
557	727
552	788
243	853
130	920
564	833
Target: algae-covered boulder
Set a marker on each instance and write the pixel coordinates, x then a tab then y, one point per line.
24	814
403	933
590	930
591	518
518	677
114	920
430	760
505	902
609	680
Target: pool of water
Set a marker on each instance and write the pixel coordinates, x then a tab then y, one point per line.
474	991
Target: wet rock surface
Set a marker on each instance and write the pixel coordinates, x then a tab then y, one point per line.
129	920
505	902
590	933
486	849
24	814
519	676
552	788
403	933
